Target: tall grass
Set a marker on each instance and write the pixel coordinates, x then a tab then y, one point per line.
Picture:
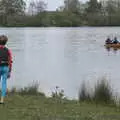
84	95
102	93
32	89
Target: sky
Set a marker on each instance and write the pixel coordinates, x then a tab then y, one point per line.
53	4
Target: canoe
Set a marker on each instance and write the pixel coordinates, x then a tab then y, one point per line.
113	45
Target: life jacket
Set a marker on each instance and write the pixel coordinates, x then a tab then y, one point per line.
4	56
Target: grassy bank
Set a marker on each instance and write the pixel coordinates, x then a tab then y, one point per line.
30	107
30	104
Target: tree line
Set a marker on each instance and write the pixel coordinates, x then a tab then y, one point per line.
71	13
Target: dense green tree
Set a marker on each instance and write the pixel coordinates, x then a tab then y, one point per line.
72	13
93	6
11	8
72	6
36	7
111	9
93	12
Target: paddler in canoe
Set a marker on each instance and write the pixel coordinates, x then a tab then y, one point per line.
112	43
115	41
108	41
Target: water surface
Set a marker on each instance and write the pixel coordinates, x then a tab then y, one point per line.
62	57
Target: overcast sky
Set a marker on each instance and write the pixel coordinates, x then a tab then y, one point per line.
53	4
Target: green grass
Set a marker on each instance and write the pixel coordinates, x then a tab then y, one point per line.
29	103
31	107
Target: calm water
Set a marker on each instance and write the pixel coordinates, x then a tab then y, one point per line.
62	57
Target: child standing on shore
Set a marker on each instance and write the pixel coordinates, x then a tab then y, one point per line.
5	66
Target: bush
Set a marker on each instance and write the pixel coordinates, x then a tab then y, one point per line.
31	90
102	93
83	94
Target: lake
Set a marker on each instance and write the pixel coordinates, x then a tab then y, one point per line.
63	57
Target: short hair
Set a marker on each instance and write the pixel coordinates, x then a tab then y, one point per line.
3	40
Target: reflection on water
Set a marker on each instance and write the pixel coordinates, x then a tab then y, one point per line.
112	49
63	57
109	49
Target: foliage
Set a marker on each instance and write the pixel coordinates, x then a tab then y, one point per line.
83	94
36	7
93	6
72	6
11	8
31	90
72	14
102	93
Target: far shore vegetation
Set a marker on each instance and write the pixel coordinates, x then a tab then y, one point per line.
73	13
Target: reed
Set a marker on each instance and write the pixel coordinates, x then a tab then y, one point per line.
103	93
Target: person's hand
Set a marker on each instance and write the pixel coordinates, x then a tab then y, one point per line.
9	75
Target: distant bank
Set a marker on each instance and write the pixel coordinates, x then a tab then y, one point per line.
59	19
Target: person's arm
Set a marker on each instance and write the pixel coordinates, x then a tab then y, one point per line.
10	61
